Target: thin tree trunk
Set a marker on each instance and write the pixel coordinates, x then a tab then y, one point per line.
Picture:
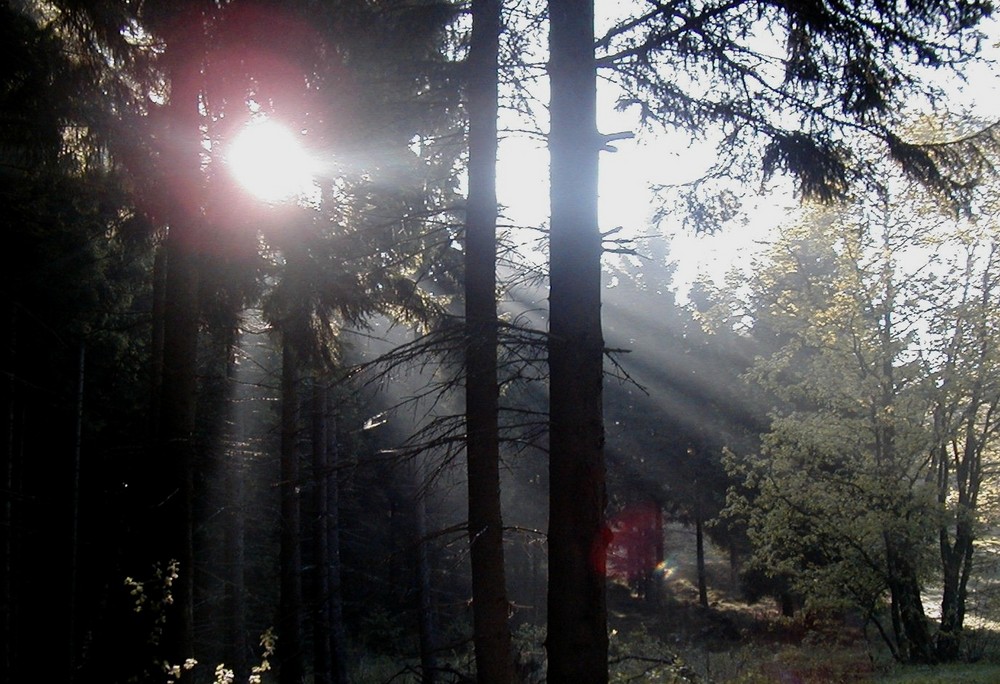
658	531
235	532
290	642
956	556
734	567
338	631
7	524
171	533
156	341
236	593
426	626
74	565
699	534
491	632
577	639
949	633
322	656
910	621
171	537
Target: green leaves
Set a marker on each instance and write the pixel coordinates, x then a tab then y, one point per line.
879	316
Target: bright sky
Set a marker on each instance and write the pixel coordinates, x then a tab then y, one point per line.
627	201
272	165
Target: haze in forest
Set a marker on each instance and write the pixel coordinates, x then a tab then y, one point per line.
509	342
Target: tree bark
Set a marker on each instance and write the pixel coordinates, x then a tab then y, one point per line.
290	642
699	533
426	628
491	632
909	620
329	636
235	532
171	531
8	635
322	657
235	541
74	565
338	631
577	639
171	536
159	292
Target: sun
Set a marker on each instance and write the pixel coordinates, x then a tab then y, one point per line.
270	161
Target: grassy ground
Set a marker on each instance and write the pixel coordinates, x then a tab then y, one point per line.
971	673
668	637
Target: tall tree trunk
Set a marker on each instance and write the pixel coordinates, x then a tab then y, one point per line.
322	658
491	632
159	292
8	635
338	631
948	642
235	541
74	565
171	533
290	642
425	615
699	534
329	636
910	622
577	639
235	532
171	536
956	554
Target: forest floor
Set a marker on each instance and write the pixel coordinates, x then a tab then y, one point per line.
732	641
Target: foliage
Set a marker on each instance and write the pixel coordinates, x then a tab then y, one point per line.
638	656
976	673
788	89
858	305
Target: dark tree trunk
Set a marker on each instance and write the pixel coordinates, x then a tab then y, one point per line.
949	634
156	341
956	554
338	631
290	642
236	592
422	568
577	639
322	657
171	534
74	564
235	470
699	534
787	603
491	632
8	636
658	531
909	621
329	636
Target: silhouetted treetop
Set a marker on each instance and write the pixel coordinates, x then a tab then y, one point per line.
791	87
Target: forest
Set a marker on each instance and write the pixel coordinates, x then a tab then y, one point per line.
321	407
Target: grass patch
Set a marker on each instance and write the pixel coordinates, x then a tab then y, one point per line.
959	673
